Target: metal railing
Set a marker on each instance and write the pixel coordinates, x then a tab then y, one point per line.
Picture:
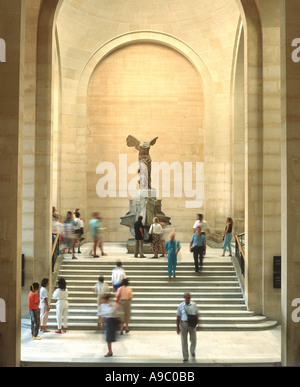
55	251
239	251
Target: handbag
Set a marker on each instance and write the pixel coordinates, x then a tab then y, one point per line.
192	319
150	239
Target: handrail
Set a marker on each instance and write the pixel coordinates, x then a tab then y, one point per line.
55	253
54	244
239	252
239	243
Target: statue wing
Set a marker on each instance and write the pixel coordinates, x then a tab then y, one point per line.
153	141
132	141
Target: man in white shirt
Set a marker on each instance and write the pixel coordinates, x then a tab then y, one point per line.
118	274
200	222
184	326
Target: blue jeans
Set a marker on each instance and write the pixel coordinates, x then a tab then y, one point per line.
227	242
172	263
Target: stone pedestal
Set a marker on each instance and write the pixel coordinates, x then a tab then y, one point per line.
148	206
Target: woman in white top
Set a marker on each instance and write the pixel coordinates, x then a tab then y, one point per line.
44	304
61	295
156	231
101	288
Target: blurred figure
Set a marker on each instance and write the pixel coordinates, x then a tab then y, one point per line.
200	222
95	234
111	312
57	228
172	247
69	234
78	230
101	288
117	276
61	295
124	296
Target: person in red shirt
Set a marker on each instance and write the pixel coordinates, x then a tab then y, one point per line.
33	305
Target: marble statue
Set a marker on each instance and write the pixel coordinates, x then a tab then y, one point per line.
144	160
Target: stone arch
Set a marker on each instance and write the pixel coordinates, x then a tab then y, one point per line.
253	57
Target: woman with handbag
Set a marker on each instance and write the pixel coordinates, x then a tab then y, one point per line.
156	231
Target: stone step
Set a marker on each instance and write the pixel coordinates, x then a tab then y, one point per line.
144	262
250	326
92	311
171	288
157	294
163	306
149	271
80	318
162	284
151	278
216	290
175	300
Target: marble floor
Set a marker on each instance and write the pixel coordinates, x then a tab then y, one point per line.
151	348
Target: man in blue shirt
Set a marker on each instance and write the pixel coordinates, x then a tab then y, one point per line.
198	248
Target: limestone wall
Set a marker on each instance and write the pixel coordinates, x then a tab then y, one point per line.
201	33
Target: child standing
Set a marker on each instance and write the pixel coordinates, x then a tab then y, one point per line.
33	305
61	295
44	305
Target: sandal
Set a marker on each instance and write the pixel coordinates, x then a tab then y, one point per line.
109	354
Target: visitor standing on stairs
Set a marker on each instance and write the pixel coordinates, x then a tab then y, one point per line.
117	276
187	321
101	288
124	296
172	248
200	222
198	248
227	237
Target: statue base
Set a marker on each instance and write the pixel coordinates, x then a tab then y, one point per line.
130	245
146	205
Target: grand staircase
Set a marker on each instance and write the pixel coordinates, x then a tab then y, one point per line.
216	291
